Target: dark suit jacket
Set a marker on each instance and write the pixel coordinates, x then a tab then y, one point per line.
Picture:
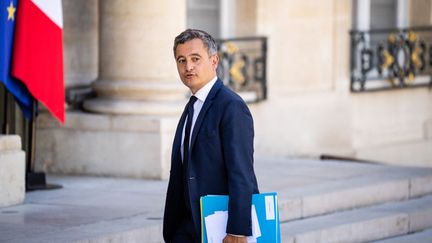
220	163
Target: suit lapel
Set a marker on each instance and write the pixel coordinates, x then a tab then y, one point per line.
208	102
177	137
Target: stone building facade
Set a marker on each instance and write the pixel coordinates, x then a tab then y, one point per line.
123	49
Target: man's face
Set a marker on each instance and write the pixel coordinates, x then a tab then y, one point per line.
195	67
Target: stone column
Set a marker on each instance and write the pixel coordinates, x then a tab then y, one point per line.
363	15
80	39
402	13
227	16
129	126
12	171
137	73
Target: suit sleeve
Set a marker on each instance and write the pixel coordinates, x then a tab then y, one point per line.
237	144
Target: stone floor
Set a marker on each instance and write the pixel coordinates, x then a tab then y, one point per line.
95	209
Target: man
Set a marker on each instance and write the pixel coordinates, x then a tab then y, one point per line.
212	149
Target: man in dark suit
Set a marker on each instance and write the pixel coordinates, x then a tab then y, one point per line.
213	147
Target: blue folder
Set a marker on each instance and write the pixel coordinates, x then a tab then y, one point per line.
266	211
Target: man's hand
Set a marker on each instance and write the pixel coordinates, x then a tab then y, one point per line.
235	239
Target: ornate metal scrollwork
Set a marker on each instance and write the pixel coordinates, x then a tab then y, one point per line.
391	59
242	66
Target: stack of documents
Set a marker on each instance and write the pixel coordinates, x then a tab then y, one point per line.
264	215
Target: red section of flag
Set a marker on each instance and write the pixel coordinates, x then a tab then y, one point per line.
38	57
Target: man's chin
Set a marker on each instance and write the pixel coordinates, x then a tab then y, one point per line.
188	82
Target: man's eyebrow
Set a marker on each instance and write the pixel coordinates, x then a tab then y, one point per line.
179	57
193	54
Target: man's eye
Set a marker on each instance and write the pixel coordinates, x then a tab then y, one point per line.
195	59
180	61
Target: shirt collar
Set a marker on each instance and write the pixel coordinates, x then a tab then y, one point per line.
204	91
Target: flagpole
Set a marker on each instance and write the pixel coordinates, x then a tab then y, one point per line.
35	180
5	128
32	137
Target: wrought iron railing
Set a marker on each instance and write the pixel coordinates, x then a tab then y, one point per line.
391	59
243	66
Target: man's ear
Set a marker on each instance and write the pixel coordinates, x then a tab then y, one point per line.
215	61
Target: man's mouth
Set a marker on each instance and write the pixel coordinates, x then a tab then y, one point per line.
189	75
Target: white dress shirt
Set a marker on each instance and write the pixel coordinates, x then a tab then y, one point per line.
201	97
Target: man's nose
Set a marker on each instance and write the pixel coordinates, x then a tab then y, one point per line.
189	66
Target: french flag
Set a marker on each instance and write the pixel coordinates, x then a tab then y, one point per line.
38	52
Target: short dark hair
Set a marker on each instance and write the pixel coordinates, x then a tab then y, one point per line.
191	34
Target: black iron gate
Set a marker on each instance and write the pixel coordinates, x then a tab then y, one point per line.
243	66
391	59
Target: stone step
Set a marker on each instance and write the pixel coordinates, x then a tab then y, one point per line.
393	184
364	224
419	237
99	210
134	229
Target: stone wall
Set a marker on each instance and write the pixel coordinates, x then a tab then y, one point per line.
310	110
126	130
420	12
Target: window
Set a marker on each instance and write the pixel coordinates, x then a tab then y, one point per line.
387	51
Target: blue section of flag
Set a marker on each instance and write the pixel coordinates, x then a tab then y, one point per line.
14	86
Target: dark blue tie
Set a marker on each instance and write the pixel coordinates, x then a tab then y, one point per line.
190	111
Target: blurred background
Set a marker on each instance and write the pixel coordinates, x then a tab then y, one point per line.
340	78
